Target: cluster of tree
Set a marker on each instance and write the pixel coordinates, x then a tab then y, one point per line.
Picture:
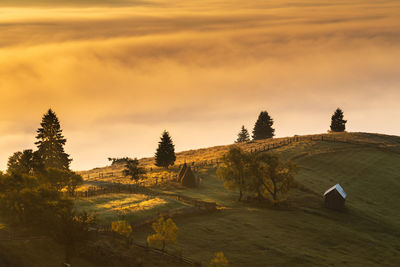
31	190
263	127
260	175
49	163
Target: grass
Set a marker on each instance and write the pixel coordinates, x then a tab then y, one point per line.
130	207
211	154
301	232
304	232
105	251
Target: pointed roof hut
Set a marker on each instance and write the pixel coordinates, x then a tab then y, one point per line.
182	172
335	197
188	179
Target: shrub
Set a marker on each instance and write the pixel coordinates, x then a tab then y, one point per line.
166	233
219	260
123	228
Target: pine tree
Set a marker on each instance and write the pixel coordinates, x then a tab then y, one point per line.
338	124
243	136
51	143
263	127
165	154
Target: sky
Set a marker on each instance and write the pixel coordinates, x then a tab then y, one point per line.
119	72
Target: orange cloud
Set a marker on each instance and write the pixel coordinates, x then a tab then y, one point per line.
199	69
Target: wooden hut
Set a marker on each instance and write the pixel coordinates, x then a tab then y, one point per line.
188	179
335	197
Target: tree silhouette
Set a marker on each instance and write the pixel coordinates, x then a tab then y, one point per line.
165	154
263	127
133	170
21	162
338	124
243	135
51	143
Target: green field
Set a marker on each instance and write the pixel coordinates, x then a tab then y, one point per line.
129	207
303	232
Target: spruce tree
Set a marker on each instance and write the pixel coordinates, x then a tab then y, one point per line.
51	143
165	154
243	136
263	127
338	124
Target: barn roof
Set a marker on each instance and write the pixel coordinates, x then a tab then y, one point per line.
338	188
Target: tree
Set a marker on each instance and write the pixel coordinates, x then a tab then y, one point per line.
124	229
263	127
165	154
269	175
243	136
115	161
51	143
21	162
133	170
70	228
166	233
26	200
57	179
219	260
338	124
233	170
74	180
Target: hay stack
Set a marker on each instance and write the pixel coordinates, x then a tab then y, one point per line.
188	179
182	172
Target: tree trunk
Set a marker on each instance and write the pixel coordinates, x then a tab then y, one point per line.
274	192
259	195
274	195
240	194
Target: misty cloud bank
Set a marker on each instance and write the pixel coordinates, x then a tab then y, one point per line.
199	69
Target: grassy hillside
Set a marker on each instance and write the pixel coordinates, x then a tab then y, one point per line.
207	155
300	232
304	232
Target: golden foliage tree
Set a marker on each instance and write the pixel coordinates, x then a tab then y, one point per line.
166	232
233	170
123	228
261	174
219	260
269	175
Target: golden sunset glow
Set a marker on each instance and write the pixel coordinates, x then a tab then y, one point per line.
118	73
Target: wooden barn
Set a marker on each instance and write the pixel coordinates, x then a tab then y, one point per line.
335	197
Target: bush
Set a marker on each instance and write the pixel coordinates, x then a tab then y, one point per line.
123	228
166	233
219	260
